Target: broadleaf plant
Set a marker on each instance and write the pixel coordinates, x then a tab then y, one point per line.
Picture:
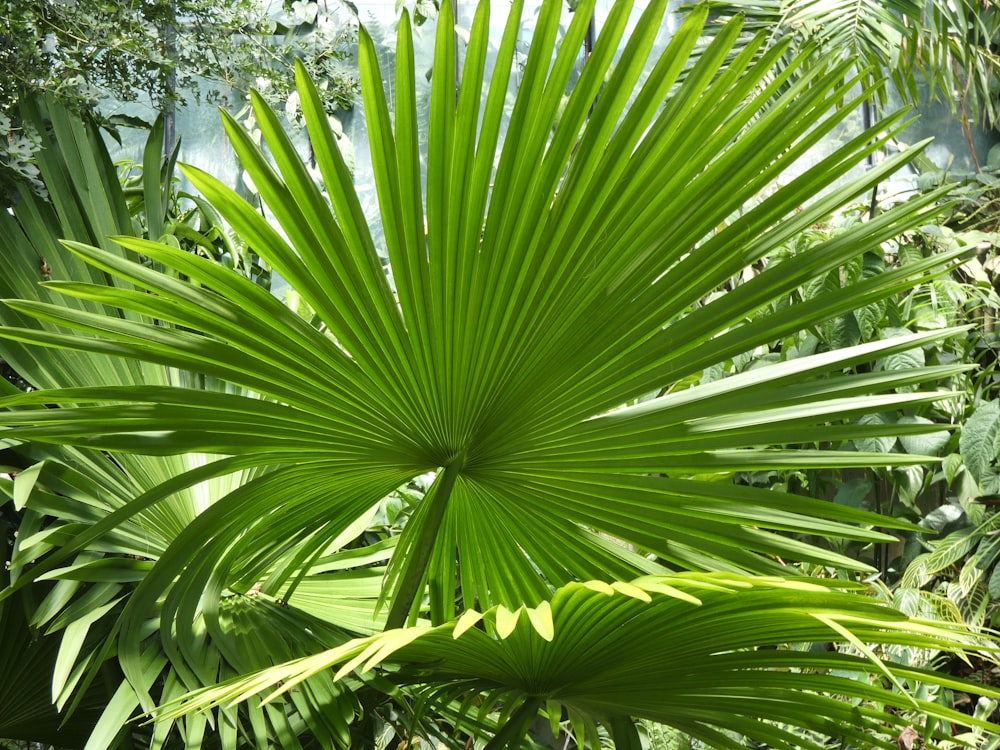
550	288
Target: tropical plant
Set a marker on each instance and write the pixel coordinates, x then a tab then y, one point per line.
43	638
929	50
959	559
964	297
579	547
85	201
27	661
942	497
163	212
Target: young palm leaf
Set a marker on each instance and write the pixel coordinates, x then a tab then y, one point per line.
709	654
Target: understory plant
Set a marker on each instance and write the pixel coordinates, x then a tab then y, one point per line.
203	496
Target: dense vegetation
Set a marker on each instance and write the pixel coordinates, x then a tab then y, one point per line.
623	446
93	57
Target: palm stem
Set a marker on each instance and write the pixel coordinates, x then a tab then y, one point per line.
516	726
416	562
624	733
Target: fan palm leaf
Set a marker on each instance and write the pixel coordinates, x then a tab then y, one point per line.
540	300
737	657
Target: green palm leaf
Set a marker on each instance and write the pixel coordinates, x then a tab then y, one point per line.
61	625
737	656
547	290
27	661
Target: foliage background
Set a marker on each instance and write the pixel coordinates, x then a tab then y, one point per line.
94	55
175	614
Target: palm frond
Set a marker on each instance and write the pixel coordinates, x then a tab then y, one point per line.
705	653
562	281
92	527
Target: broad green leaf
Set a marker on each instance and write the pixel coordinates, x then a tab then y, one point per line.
877	444
994	583
854	493
928	444
976	443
